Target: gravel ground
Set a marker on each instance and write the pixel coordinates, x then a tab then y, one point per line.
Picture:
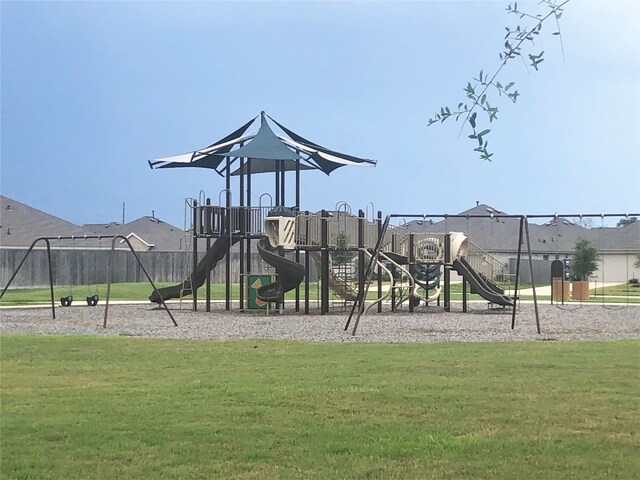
589	322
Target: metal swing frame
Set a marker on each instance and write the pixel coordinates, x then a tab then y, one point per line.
47	241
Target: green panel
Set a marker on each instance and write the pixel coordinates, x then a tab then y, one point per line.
254	283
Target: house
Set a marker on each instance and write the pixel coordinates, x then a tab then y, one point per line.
553	240
21	224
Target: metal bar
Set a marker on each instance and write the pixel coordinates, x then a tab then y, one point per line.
515	290
361	221
53	303
15	273
499	215
109	271
248	269
324	293
447	272
378	266
393	275
533	284
227	231
307	264
363	295
194	266
411	258
464	295
208	281
24	259
297	254
109	275
243	231
277	173
282	182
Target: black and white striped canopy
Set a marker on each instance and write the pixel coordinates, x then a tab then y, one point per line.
265	147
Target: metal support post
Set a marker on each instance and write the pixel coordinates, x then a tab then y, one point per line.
447	272
324	294
194	291
412	261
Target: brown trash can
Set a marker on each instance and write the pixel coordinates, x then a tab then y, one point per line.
557	293
580	290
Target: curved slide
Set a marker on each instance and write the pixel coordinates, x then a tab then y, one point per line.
290	273
216	252
475	280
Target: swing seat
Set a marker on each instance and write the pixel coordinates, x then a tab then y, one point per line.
92	301
66	301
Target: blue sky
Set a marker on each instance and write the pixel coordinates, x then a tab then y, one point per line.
91	91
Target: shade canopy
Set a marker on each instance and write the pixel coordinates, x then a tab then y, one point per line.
268	166
271	152
208	157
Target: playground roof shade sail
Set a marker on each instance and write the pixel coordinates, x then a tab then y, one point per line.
267	166
271	152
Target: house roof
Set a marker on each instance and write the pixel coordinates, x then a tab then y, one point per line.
20	225
556	236
153	231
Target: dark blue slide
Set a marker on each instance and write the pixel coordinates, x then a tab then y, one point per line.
479	285
290	273
216	252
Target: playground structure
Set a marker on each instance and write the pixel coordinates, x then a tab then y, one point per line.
413	263
417	266
367	260
401	267
414	267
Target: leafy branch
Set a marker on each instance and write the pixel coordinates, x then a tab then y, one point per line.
477	93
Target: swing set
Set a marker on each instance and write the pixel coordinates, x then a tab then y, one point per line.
560	273
92	300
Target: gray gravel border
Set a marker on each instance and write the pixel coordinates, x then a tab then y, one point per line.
588	322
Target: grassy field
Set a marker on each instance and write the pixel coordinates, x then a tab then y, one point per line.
141	291
119	291
95	407
622	290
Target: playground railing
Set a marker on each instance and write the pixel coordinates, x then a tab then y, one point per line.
308	229
342	230
484	262
370	234
429	247
214	220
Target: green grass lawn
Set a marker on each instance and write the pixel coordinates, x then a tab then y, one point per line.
131	291
141	291
119	291
82	407
622	290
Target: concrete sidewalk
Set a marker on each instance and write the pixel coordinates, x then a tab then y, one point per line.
546	290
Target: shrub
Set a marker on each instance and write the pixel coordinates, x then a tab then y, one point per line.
584	261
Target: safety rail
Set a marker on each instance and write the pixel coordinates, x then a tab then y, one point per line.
484	262
370	234
308	229
429	247
214	220
342	230
397	240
